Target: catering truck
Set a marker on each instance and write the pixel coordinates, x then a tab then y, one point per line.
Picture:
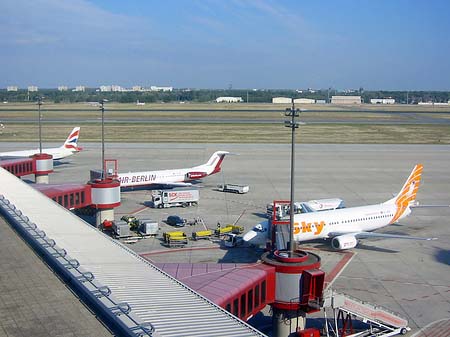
176	197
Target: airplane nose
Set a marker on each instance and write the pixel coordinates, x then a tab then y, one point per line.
249	236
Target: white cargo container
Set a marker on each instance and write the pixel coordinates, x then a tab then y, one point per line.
184	197
148	227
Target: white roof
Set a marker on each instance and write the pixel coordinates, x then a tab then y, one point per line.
154	296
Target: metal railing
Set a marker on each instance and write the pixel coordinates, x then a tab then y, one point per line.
117	316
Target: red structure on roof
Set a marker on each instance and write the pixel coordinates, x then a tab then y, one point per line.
242	289
70	195
19	167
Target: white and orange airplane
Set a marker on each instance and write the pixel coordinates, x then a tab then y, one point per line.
346	225
175	177
69	148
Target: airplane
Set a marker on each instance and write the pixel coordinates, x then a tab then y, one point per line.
176	177
345	226
69	148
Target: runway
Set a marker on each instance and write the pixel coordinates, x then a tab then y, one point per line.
217	116
408	277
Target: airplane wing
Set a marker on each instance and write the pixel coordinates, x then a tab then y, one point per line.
365	235
170	185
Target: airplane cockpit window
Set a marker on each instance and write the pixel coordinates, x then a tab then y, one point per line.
258	228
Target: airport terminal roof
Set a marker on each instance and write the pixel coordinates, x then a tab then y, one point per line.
171	307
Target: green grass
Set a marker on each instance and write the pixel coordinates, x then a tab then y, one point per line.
236	133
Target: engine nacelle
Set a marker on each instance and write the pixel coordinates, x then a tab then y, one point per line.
344	242
196	175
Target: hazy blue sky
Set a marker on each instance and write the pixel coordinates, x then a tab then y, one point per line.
384	44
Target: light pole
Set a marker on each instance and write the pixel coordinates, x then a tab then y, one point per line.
102	108
292	112
39	103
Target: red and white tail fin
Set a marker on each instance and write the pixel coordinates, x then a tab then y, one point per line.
408	193
72	140
213	164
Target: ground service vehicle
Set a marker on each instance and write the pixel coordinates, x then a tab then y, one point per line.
233	188
175	220
185	196
175	239
232	240
207	234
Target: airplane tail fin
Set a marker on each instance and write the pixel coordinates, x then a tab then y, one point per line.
213	164
72	140
407	194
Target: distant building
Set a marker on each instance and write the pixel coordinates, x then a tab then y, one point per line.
345	100
136	88
63	88
32	88
382	101
229	99
105	88
80	88
304	101
12	88
320	101
434	103
281	100
117	88
156	88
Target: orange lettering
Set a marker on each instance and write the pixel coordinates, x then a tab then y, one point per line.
296	228
306	227
319	227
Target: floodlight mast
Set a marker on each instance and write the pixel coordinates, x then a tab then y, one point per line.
39	103
102	109
292	112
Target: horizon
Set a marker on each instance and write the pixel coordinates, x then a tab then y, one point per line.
265	44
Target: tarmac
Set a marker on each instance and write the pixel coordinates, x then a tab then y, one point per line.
33	300
405	276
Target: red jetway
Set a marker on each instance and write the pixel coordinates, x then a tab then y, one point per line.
242	289
70	195
19	167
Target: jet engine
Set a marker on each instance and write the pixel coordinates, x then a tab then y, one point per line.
344	242
196	175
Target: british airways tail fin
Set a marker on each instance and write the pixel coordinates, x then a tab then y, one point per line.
71	142
408	193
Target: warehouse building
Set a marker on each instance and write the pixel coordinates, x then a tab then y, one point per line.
229	99
281	100
304	101
382	101
345	100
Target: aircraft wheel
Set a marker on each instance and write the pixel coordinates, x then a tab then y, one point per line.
403	331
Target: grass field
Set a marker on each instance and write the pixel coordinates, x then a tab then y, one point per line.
349	131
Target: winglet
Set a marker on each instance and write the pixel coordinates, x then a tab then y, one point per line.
407	194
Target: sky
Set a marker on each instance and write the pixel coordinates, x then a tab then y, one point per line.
245	44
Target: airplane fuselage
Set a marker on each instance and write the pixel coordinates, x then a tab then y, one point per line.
133	179
56	152
315	225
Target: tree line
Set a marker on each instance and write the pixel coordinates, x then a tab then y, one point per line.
209	95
